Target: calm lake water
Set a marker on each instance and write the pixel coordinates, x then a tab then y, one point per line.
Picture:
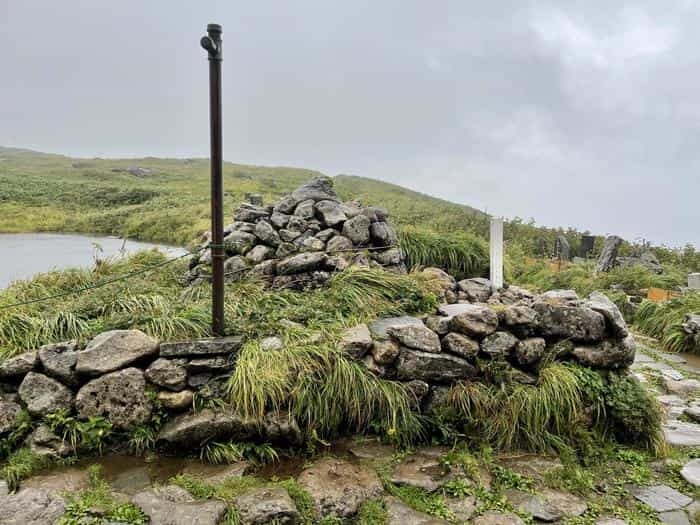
23	255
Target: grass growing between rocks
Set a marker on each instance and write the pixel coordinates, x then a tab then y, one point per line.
663	321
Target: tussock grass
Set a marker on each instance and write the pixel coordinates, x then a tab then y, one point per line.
663	321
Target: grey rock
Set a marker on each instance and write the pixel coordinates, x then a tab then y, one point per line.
439	324
19	365
517	315
608	256
460	345
288	236
172	505
326	235
32	506
390	257
498	344
192	430
533	466
285	205
375	214
475	321
296	223
43	395
212	474
373	366
693	412
530	351
398	513
303	262
300	281
239	243
250	213
44	443
430	367
563	248
113	350
286	249
439	276
338	487
168	373
216	364
565	297
176	401
511	295
305	209
267	234
356	341
682	387
59	360
549	506
380	328
339	244
330	212
382	234
674	517
610	521
236	226
416	336
385	352
463	509
493	517
271	344
9	412
681	434
267	505
299	241
260	253
202	347
357	230
422	471
312	244
599	302
279	220
317	189
450	310
419	390
264	269
235	267
570	322
691	472
281	427
661	498
120	397
477	289
608	354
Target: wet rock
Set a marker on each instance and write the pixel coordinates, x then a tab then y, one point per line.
380	328
608	354
493	517
338	487
429	367
267	505
317	189
691	472
357	230
498	344
385	352
172	505
239	242
356	341
43	395
460	345
530	351
59	360
421	471
202	347
476	290
398	513
331	213
215	474
9	416
416	336
661	498
382	234
176	401
168	373
18	365
474	321
281	427
113	350
267	234
31	506
44	443
303	262
120	397
549	506
578	323
194	429
599	302
369	448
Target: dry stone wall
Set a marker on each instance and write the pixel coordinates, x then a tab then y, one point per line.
303	238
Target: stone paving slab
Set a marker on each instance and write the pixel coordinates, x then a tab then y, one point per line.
675	517
682	434
661	498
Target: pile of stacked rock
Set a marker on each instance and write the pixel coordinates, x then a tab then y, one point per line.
491	337
304	237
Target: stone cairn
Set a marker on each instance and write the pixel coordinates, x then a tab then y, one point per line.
303	238
119	375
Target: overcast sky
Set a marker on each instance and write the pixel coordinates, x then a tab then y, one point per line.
583	114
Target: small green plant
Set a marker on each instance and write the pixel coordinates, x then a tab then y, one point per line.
20	465
141	439
232	451
89	435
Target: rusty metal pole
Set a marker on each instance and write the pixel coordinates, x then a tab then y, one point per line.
212	44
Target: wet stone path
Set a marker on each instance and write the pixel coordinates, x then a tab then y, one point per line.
362	481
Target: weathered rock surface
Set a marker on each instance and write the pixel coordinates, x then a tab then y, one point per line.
176	401
59	360
549	505
421	471
317	189
18	365
267	505
339	487
385	352
31	507
398	513
438	368
498	344
608	354
608	256
168	373
416	336
43	395
120	397
44	443
493	517
570	322
113	350
380	328
194	429
9	412
599	302
460	345
475	321
691	472
303	262
356	341
172	505
661	498
357	230
476	290
530	351
202	347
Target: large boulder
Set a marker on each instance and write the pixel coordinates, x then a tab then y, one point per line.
202	347
113	350
416	336
32	506
331	213
608	256
599	302
432	368
9	416
173	505
338	488
267	505
356	341
357	230
267	234
194	429
475	321
382	234
18	365
607	354
578	323
120	397
43	395
59	361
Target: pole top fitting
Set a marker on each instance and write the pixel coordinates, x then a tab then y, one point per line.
212	42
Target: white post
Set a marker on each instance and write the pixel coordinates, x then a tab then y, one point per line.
496	253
